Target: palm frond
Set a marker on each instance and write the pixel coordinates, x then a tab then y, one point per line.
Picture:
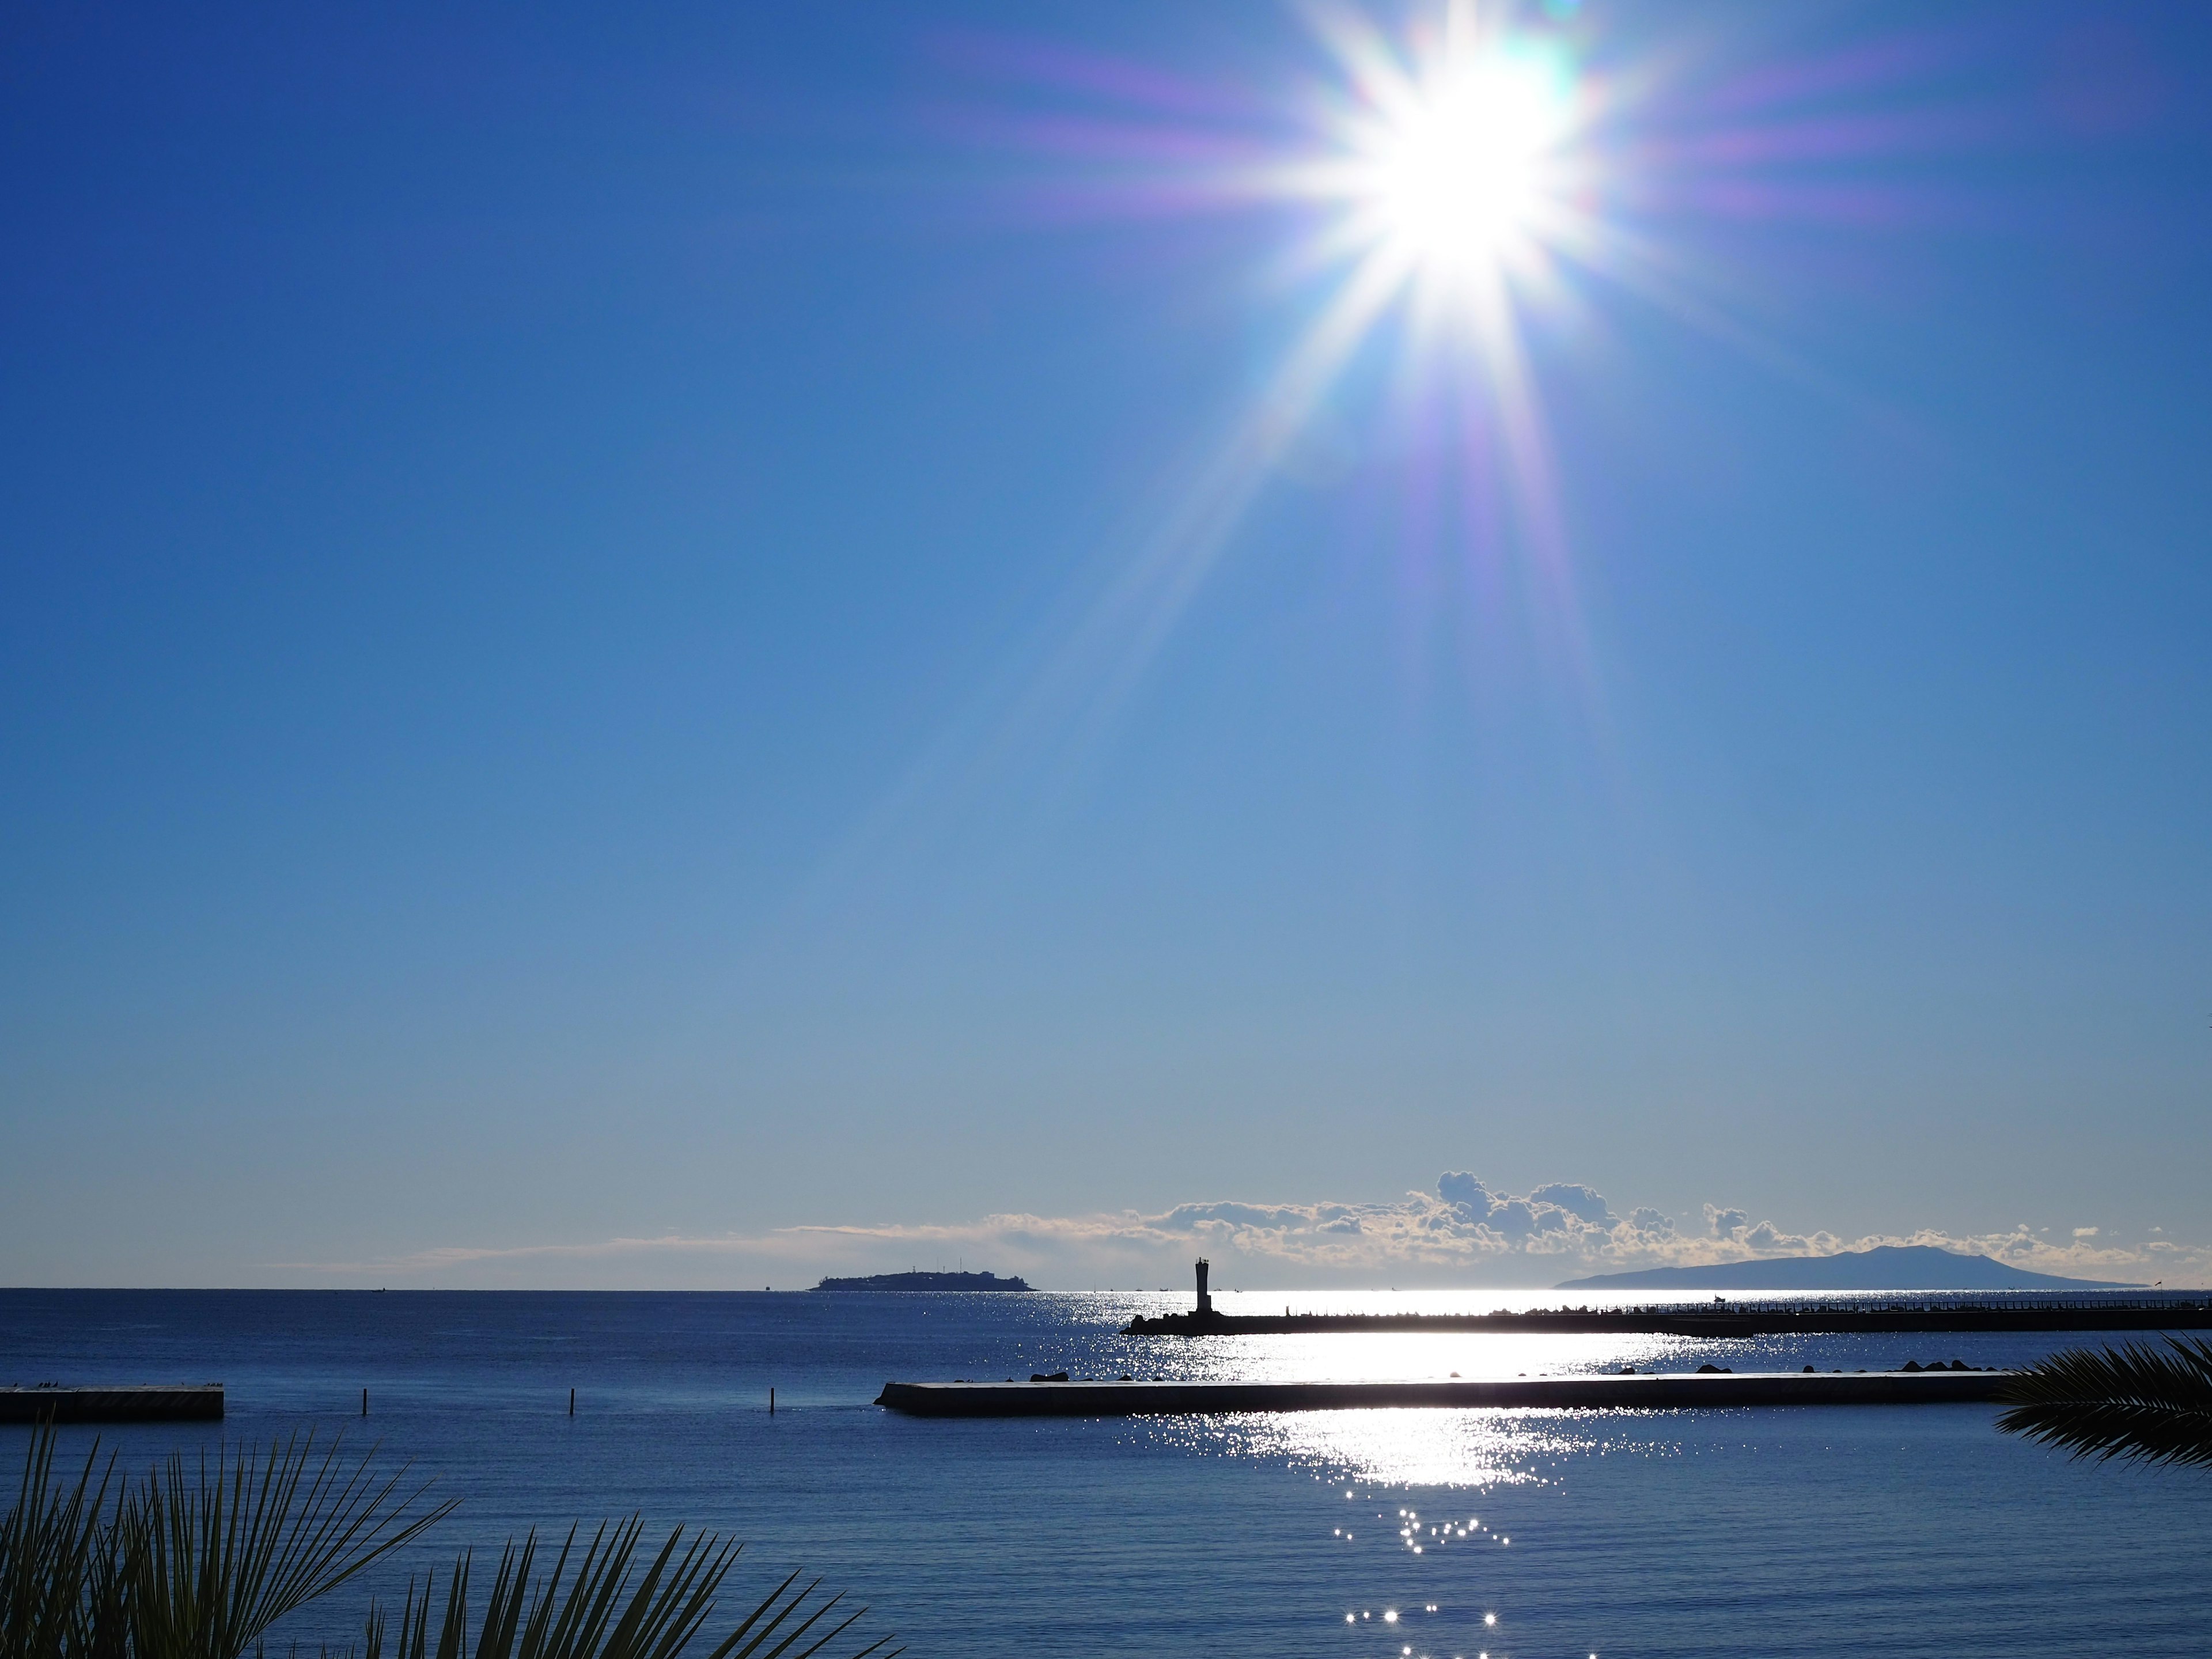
57	1559
219	1555
199	1564
2154	1403
597	1613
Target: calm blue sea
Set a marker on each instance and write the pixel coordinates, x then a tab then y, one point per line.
1821	1531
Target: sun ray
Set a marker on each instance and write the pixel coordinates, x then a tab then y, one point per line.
1436	194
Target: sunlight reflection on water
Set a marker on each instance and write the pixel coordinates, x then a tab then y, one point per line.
1724	1533
1414	1356
1407	1448
1401	1447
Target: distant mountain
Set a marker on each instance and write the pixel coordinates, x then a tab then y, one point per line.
925	1282
1884	1267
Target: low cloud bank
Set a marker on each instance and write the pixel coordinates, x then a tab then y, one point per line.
1464	1232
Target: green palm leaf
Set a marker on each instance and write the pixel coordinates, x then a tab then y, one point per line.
2138	1401
217	1554
58	1563
596	1615
198	1563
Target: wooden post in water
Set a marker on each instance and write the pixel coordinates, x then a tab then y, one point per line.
771	1402
572	1402
364	1402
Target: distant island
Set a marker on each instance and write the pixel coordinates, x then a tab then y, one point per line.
1884	1267
928	1282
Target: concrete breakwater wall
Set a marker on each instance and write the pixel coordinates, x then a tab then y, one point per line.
157	1403
1135	1399
1716	1324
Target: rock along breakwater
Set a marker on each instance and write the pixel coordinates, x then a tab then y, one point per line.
1641	1393
1814	1317
157	1403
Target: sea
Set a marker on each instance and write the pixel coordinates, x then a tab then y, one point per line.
1367	1534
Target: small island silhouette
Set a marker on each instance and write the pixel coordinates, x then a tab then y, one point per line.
921	1281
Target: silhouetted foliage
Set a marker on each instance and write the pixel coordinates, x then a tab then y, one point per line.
188	1563
2139	1401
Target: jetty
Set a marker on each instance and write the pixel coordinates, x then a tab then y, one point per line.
1736	1319
1674	1392
154	1403
1723	1318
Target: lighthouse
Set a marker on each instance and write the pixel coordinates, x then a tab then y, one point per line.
1205	1301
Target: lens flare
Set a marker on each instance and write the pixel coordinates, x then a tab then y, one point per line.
1453	194
1460	171
1432	171
1452	164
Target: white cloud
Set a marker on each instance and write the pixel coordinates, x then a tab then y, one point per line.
1576	1199
1466	1232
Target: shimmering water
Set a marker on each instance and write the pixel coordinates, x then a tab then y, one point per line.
1897	1530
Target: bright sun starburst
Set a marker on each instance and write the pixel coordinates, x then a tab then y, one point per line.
1451	185
1459	166
1452	161
1442	174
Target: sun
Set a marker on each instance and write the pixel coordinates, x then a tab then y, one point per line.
1460	167
1453	160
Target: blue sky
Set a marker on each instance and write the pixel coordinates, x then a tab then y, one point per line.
624	640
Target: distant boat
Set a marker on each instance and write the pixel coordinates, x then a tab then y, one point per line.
1884	1267
917	1281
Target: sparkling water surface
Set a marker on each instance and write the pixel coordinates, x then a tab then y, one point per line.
1817	1530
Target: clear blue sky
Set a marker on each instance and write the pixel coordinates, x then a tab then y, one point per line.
619	624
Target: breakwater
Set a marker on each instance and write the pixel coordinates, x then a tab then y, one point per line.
1810	1317
1642	1393
158	1403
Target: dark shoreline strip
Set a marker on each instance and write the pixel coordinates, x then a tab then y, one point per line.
1737	1321
1574	1393
158	1403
